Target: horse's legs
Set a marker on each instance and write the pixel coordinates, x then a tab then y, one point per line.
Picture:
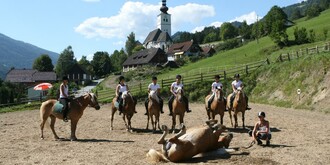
42	124
148	122
125	121
181	118
153	123
208	114
221	118
243	118
162	138
173	122
235	117
73	129
52	124
157	119
113	110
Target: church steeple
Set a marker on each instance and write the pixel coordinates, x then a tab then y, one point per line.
164	8
164	19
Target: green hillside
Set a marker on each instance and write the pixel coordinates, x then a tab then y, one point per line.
254	51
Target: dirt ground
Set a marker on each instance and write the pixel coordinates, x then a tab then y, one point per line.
299	137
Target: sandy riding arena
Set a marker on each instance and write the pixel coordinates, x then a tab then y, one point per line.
299	137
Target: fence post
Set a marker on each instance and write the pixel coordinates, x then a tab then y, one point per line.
307	51
140	87
162	83
289	57
281	59
297	53
201	76
268	62
224	75
317	49
246	69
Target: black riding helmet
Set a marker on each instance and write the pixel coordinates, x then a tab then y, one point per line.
154	78
261	114
217	76
121	78
65	78
236	75
178	76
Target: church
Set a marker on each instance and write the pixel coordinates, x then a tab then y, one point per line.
156	43
159	47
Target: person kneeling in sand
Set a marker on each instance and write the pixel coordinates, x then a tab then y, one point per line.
261	130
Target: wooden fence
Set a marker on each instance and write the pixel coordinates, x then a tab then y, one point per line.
302	52
107	95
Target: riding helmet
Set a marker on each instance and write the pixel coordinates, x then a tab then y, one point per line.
217	76
261	114
154	78
121	78
65	78
178	76
236	75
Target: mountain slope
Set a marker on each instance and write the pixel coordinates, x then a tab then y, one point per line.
18	54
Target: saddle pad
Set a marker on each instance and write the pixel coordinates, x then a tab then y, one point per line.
116	104
58	108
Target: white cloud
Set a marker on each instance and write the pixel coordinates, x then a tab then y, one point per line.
201	28
249	18
92	0
141	18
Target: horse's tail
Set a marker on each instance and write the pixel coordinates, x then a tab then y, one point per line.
155	156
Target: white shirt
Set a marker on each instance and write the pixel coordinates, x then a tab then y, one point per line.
237	83
153	87
216	85
176	86
122	88
65	91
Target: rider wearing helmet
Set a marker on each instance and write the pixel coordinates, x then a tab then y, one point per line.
235	85
215	85
175	85
261	130
154	87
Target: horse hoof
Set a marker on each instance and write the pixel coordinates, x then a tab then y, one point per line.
73	139
42	138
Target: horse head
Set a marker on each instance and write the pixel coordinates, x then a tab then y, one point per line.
179	93
219	94
93	100
153	96
239	94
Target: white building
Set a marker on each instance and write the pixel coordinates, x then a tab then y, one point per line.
160	37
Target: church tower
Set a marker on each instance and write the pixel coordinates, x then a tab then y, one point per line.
164	19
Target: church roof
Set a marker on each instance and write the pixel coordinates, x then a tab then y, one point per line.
154	55
157	36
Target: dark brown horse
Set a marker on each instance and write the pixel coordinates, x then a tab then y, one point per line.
239	105
128	109
77	107
153	110
179	108
218	105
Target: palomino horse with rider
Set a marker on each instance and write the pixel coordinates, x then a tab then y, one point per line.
128	109
217	106
53	109
153	110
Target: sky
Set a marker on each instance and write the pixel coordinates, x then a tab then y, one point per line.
103	25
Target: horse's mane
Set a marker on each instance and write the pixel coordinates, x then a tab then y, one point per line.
178	89
153	94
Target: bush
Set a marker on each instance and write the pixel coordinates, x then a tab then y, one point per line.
300	35
229	44
313	11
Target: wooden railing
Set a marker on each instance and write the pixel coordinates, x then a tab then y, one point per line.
303	52
107	95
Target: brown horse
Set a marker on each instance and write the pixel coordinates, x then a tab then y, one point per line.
128	109
179	108
77	107
188	143
153	110
239	105
218	105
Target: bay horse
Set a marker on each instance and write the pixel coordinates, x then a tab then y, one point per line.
128	109
179	108
77	107
153	110
239	105
218	105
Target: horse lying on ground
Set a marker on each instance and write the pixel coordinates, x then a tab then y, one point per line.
188	143
50	108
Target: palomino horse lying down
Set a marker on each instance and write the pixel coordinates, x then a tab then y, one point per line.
51	107
188	143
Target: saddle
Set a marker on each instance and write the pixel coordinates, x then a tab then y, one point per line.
58	108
